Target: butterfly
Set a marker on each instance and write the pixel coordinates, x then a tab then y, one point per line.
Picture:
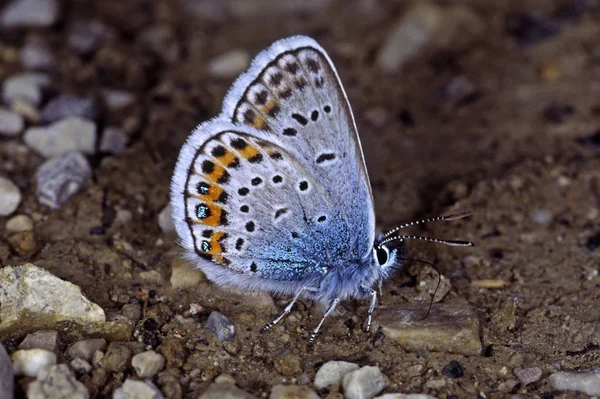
273	194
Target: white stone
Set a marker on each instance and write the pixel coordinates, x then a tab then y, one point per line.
114	140
29	362
363	383
165	219
31	292
59	178
133	389
332	372
68	134
148	364
57	382
36	57
11	123
86	348
6	375
229	65
586	381
10	197
528	375
26	86
30	13
19	223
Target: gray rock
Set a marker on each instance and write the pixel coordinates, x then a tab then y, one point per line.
69	134
363	383
225	391
57	382
229	65
133	389
29	292
86	348
66	105
86	37
80	366
219	324
117	357
528	375
10	197
30	13
586	381
43	339
25	86
114	140
29	362
6	375
165	220
292	391
36	57
332	372
132	311
451	327
148	364
61	177
11	123
117	99
19	223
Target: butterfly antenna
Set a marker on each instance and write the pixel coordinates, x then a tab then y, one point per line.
436	287
455	216
453	243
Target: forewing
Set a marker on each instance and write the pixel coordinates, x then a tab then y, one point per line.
292	93
243	202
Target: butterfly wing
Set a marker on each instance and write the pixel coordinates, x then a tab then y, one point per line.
274	192
293	93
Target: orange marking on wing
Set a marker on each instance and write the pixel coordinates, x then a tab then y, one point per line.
214	192
215	243
214	219
259	122
249	151
228	159
217	172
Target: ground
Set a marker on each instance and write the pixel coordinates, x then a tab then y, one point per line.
500	115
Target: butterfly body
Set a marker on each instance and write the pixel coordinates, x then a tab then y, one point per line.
273	194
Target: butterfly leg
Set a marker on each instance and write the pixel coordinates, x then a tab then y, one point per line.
286	311
373	295
334	303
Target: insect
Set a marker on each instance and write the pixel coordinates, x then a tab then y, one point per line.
273	194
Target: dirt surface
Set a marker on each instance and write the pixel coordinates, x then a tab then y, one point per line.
489	120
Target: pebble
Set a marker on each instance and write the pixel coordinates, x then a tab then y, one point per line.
405	396
542	217
414	30
133	389
61	177
117	99
25	86
528	375
132	311
451	327
224	391
6	375
222	327
57	382
19	223
586	381
10	197
86	37
292	392
332	372
86	348
363	383
23	243
36	57
184	275
30	13
229	65
80	365
225	379
148	364
11	123
69	134
117	357
114	140
66	105
43	339
453	370
29	291
165	220
29	362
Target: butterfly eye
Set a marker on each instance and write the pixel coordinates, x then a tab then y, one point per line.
382	255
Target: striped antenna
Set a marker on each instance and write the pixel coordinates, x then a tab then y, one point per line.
455	216
453	243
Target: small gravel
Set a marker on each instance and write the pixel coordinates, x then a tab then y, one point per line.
363	383
25	86
222	327
10	197
11	123
30	13
332	373
69	134
67	105
60	178
29	362
148	364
